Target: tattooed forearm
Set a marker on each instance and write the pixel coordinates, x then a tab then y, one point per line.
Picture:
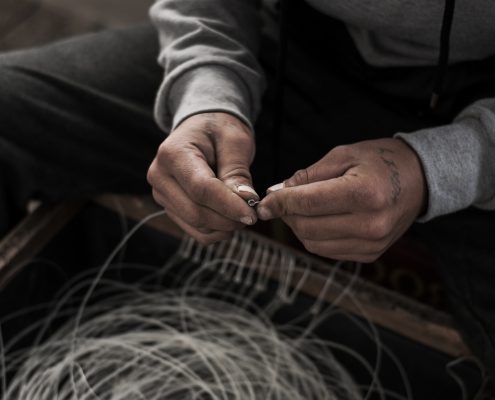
383	150
394	178
394	172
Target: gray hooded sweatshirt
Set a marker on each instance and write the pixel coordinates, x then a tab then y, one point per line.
208	52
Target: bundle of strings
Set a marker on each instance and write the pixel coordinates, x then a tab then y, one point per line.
171	346
191	339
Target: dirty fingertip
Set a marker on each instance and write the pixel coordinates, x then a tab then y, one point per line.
275	188
264	213
247	189
248	220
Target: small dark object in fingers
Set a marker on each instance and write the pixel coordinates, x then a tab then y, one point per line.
252	202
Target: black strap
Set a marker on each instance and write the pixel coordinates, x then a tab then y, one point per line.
280	87
443	58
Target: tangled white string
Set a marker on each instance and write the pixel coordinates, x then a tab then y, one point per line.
193	341
174	346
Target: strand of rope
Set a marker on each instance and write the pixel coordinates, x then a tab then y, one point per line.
192	330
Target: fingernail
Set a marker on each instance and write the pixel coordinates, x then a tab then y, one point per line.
247	220
248	189
276	187
264	213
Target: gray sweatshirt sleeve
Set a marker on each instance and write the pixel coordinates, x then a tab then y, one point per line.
208	52
459	160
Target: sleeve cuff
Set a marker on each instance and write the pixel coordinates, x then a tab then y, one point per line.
204	89
452	159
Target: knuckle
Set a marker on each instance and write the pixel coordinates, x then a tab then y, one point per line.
204	240
380	248
310	246
300	177
203	221
276	204
231	226
156	195
198	190
307	203
244	141
368	259
359	258
300	228
297	204
159	199
343	148
224	236
295	224
191	216
164	152
379	229
341	151
214	222
363	196
150	176
315	171
199	225
204	231
368	197
197	221
239	170
377	199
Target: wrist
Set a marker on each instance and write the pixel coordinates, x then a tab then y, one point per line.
417	176
213	122
208	89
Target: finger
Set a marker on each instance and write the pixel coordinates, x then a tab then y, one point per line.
197	216
359	258
335	196
201	238
201	185
235	152
333	165
247	192
338	227
355	247
159	199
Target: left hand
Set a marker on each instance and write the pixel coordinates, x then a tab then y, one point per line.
355	202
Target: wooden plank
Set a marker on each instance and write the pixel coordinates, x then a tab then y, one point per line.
31	235
388	309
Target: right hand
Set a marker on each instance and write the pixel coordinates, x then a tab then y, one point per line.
201	176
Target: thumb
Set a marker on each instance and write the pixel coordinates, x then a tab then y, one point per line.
329	167
234	155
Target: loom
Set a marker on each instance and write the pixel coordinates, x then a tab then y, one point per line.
411	332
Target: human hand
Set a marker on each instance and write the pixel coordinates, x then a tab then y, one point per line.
353	203
201	176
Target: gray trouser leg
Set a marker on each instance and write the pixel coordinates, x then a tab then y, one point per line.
76	118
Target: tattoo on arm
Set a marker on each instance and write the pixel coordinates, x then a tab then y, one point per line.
394	172
384	150
394	178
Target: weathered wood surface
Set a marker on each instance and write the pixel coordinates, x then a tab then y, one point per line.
388	309
31	235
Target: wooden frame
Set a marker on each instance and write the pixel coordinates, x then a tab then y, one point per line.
388	309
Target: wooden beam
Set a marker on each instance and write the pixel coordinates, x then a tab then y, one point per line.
384	307
31	235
